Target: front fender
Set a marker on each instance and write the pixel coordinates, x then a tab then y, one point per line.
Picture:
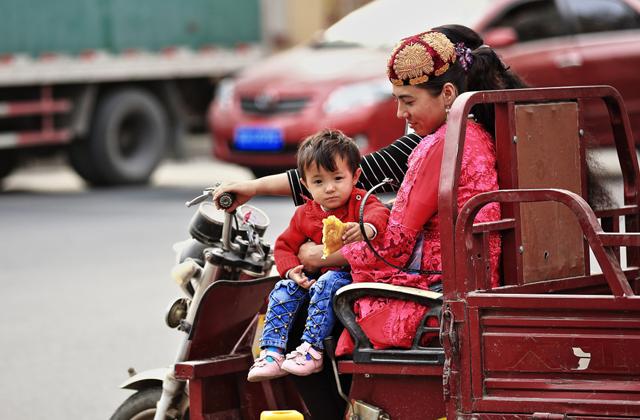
146	379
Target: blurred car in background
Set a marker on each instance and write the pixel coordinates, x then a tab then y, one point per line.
339	81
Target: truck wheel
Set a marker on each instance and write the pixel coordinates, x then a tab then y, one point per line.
8	162
78	153
127	139
141	405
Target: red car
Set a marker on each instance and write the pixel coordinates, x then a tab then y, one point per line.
258	117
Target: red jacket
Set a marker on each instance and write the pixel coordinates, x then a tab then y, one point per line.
306	224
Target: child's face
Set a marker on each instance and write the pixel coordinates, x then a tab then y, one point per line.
330	189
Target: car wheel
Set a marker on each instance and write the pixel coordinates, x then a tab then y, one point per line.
126	142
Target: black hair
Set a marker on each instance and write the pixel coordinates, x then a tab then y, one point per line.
323	147
487	72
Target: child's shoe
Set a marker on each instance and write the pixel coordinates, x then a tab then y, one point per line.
303	361
263	369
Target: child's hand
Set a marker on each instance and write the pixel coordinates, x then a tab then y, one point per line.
296	274
353	234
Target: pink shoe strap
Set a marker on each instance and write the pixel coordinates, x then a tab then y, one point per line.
303	350
262	359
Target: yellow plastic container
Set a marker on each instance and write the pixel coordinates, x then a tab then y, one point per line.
281	415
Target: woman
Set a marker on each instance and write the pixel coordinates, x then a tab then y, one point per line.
428	72
424	107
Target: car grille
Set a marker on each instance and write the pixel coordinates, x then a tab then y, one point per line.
281	107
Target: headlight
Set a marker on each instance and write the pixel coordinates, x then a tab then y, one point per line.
357	95
225	92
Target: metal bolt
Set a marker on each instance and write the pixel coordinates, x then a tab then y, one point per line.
521	250
581	132
515	139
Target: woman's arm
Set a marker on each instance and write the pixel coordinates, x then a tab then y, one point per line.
246	190
416	203
389	162
310	255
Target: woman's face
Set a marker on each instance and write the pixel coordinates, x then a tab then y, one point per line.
423	112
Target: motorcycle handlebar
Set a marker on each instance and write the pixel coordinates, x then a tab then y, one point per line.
225	200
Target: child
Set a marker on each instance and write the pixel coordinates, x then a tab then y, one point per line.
328	162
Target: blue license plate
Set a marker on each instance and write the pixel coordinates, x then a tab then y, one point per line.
258	139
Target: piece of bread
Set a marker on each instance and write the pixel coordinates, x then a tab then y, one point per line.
332	235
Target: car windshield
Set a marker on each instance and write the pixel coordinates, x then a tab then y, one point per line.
381	23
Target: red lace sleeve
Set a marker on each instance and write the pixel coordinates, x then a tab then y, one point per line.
422	199
420	187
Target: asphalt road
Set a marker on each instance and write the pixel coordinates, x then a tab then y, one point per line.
85	281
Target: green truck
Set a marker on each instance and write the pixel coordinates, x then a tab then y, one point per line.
116	84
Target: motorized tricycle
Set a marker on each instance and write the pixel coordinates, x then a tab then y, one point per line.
226	249
557	339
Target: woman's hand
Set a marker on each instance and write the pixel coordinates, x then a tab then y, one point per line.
242	190
310	255
296	274
353	233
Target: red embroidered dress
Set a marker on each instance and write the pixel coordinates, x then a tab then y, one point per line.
393	322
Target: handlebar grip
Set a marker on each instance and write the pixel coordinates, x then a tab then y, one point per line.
226	200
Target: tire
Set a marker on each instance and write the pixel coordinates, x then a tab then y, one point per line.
78	153
8	162
127	140
141	405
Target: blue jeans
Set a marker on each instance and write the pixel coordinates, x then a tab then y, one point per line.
285	301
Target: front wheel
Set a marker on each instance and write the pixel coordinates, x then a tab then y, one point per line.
141	405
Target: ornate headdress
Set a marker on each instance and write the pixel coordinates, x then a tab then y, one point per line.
417	57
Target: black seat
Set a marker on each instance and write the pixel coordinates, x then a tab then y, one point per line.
363	350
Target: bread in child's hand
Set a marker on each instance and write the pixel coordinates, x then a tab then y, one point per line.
332	235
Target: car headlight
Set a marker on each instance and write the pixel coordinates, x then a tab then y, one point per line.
356	95
225	92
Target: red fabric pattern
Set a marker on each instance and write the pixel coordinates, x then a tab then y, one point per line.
408	221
